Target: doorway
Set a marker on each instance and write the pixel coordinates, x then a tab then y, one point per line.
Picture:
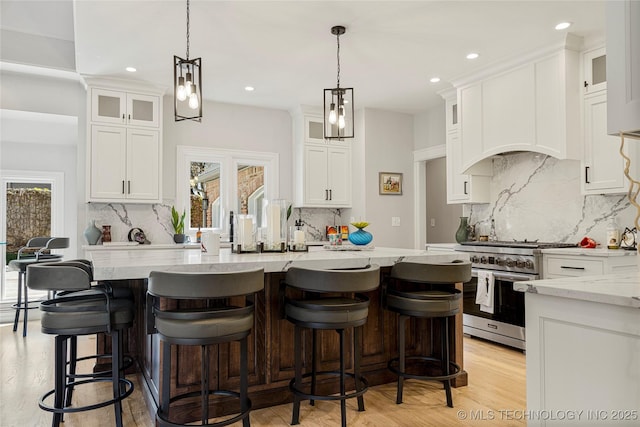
32	205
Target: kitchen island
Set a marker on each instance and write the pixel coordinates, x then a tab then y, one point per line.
271	357
583	350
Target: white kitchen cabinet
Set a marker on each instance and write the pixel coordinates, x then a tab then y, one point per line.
603	166
527	105
587	263
594	65
124	108
623	66
124	164
461	188
327	179
322	168
124	142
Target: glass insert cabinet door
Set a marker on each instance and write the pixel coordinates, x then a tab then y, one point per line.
111	106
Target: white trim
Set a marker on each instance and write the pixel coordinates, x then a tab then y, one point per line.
40	71
420	158
229	161
55	179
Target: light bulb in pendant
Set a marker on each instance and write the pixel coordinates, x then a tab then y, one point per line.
193	98
181	93
189	85
341	122
332	114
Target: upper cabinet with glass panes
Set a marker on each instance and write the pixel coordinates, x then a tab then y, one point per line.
124	108
595	70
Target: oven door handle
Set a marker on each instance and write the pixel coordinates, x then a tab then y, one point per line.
512	277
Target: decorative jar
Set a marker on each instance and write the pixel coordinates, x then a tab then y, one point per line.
360	237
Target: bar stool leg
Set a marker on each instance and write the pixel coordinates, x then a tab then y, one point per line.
166	380
115	375
356	365
244	381
402	321
343	402
297	349
26	309
73	355
19	302
445	360
314	344
60	380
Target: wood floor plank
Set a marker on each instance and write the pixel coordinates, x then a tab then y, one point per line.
496	384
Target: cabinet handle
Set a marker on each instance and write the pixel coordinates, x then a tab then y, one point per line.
123	186
465	187
571	268
330	195
129	117
326	194
586	84
122	117
586	175
129	187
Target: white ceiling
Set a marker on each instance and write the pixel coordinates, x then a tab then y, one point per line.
286	51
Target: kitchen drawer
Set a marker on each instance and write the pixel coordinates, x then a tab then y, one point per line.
562	266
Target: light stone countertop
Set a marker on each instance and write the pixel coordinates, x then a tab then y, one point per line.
138	263
621	289
597	252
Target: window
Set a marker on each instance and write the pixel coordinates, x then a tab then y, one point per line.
211	182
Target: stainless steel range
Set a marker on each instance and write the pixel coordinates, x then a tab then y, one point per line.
504	263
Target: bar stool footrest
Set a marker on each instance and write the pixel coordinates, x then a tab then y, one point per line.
128	362
123	394
162	421
293	387
432	361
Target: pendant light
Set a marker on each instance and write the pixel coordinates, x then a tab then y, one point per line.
187	83
338	103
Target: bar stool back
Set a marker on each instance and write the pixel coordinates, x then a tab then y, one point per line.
37	249
425	291
217	322
79	314
329	303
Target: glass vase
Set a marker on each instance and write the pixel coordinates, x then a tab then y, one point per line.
92	233
462	234
360	237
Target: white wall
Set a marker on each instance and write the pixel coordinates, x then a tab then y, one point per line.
388	144
229	126
32	93
429	128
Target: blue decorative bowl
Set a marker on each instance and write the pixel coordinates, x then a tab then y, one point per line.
360	237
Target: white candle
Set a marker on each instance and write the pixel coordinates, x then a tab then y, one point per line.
246	228
273	224
298	237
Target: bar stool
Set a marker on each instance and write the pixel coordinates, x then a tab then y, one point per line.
37	249
426	291
217	322
75	314
329	303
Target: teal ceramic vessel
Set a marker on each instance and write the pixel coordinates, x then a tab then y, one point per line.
360	237
92	233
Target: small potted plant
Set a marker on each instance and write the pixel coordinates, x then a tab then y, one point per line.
177	221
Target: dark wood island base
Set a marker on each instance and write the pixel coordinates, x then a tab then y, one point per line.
271	357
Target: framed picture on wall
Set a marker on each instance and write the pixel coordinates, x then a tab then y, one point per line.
390	183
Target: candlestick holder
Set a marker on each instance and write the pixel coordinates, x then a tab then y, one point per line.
244	239
274	224
297	239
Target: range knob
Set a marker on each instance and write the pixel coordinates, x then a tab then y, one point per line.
483	260
520	263
528	264
509	262
474	259
499	261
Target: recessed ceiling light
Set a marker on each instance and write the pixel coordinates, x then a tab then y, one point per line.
472	55
434	79
563	25
131	69
249	88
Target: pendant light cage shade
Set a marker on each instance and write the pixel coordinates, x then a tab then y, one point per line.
338	113
338	102
187	83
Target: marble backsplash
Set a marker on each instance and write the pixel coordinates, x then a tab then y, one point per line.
534	196
155	220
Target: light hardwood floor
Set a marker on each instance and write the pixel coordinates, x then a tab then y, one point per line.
495	394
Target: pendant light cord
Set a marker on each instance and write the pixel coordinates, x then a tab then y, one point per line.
187	30
338	55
